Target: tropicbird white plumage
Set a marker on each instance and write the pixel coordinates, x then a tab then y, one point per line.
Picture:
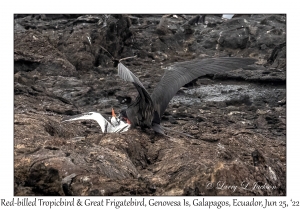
116	125
115	121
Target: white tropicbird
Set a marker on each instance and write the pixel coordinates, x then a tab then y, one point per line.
116	125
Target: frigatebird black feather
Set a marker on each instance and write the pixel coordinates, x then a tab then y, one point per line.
147	110
182	73
140	112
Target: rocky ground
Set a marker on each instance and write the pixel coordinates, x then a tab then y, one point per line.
63	66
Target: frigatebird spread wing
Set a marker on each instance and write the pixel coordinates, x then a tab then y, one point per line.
182	73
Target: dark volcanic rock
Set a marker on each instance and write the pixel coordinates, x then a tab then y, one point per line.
64	65
33	52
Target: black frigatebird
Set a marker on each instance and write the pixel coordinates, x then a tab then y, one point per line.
147	110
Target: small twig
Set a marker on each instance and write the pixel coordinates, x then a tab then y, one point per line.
112	57
107	52
122	59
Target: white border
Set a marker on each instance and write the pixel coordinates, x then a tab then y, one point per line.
138	6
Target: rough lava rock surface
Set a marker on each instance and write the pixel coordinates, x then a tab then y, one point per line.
63	66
